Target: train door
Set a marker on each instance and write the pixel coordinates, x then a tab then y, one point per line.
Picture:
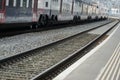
2	10
35	5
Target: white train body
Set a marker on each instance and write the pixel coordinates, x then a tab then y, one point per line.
45	11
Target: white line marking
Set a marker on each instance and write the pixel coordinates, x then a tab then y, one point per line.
110	66
113	63
117	68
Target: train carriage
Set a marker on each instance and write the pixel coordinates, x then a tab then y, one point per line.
41	12
84	10
16	13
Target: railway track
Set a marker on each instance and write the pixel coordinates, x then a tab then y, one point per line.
27	29
14	65
50	73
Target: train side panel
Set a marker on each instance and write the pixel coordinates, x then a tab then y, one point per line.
55	7
56	10
19	12
84	14
43	7
65	12
77	8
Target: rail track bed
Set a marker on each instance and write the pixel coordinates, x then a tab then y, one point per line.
40	60
27	29
30	64
10	46
50	73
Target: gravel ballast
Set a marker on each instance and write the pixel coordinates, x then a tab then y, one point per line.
21	43
44	58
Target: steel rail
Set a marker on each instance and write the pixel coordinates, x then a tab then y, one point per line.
53	71
23	55
47	74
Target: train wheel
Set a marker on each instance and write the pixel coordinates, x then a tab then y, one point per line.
96	18
52	19
101	18
75	19
56	18
43	20
33	26
89	18
79	19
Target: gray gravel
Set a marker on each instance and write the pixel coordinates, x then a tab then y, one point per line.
43	59
21	43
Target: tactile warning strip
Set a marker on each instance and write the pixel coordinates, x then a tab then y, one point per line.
111	71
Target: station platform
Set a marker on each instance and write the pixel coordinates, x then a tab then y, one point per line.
101	63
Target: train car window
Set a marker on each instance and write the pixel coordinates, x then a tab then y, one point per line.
7	2
30	3
27	4
46	4
11	3
24	3
14	4
1	4
18	3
